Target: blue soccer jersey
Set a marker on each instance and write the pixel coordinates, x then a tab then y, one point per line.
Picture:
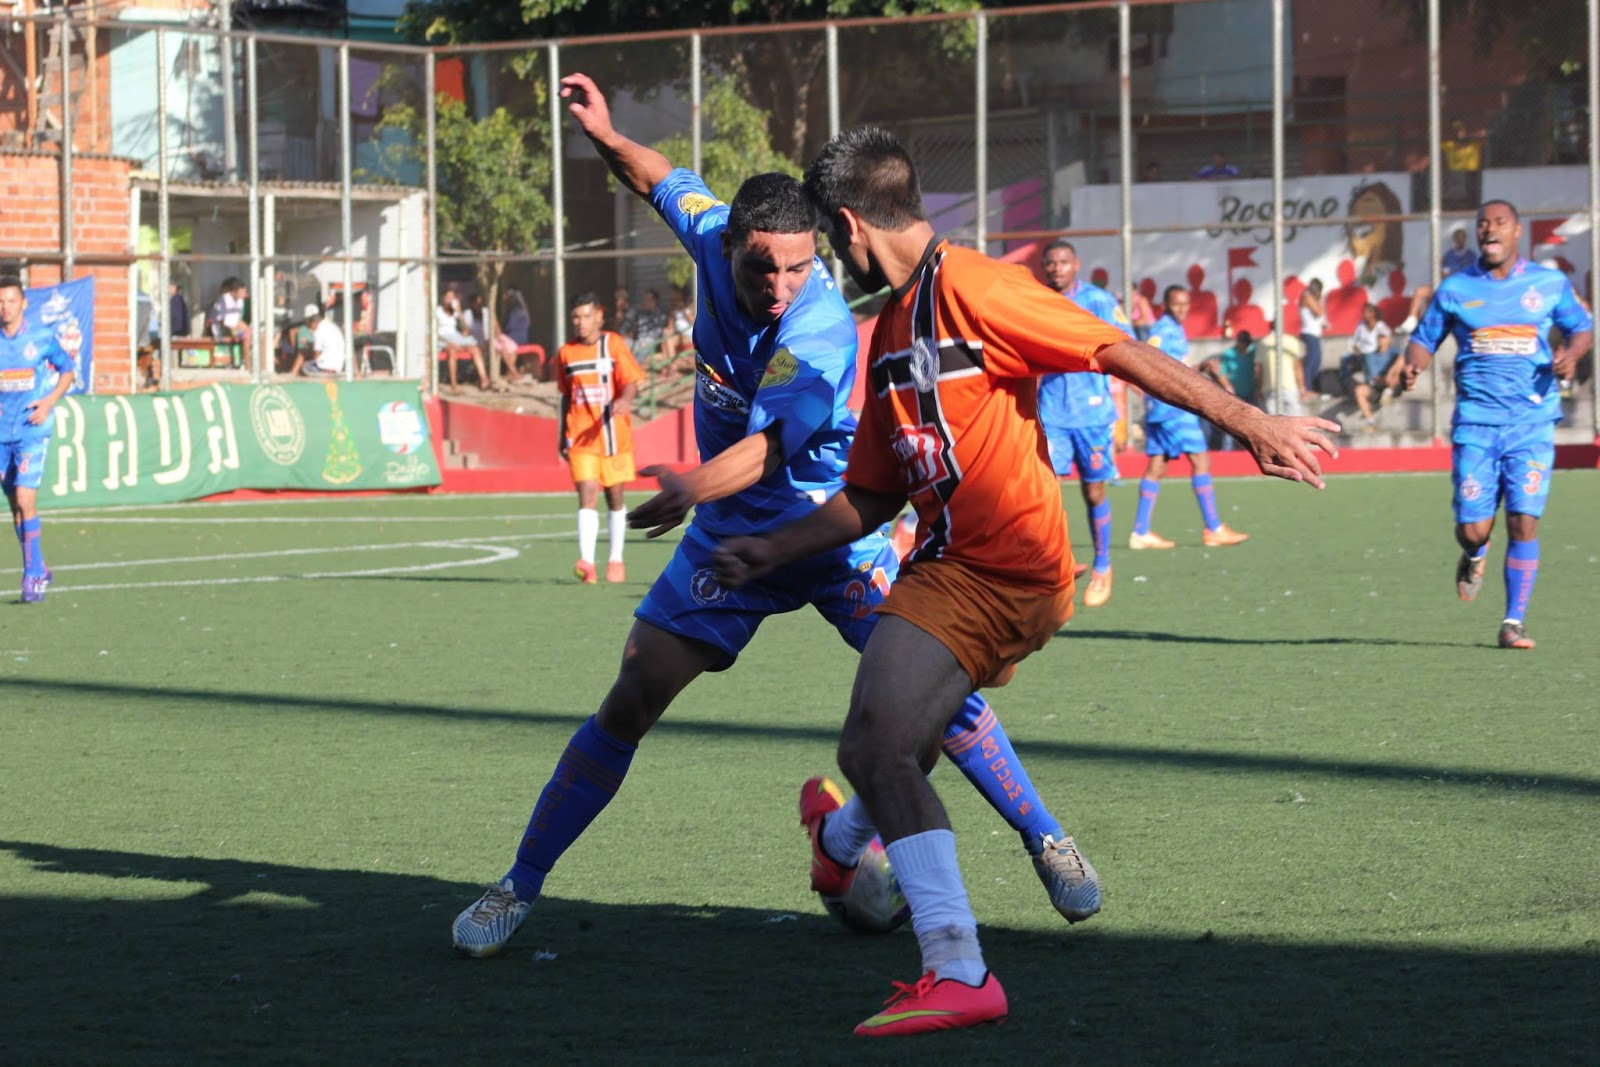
1502	327
797	371
26	361
1167	334
1080	401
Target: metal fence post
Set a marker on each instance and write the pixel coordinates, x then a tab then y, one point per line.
1125	131
1277	182
982	132
1435	191
432	223
558	229
1594	194
263	321
163	215
346	230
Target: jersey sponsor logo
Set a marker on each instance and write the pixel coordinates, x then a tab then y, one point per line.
920	451
1472	304
1533	300
593	396
1506	340
714	394
705	589
924	364
16	380
1154	341
1116	313
781	369
692	204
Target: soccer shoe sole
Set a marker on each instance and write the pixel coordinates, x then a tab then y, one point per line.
1469	575
819	796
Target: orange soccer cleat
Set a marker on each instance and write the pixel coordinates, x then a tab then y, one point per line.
585	572
932	1004
616	572
819	797
1222	537
1152	539
1514	635
1099	590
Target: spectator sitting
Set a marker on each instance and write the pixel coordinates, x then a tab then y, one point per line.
1369	363
512	339
1222	368
678	341
226	320
1458	256
624	318
328	350
650	324
1219	167
1280	373
455	341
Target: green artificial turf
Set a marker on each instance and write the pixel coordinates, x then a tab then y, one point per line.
239	806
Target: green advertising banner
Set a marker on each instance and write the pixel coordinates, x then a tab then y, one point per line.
161	447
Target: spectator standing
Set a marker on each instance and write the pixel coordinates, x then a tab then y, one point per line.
1369	362
649	325
1219	167
1238	366
679	336
178	318
623	315
1458	256
1280	373
1313	321
598	377
1141	314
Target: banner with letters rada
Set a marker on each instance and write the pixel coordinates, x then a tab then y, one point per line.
162	447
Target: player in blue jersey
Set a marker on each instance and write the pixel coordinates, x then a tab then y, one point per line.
29	351
1502	436
1170	432
776	357
1077	414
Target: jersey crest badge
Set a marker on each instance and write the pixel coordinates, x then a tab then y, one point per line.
705	588
924	364
1532	301
692	204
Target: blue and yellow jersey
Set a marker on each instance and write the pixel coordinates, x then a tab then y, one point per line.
797	371
1502	328
26	362
1081	401
1166	334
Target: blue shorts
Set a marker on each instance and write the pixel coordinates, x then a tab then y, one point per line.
1494	463
1174	437
845	585
23	463
1090	447
1377	365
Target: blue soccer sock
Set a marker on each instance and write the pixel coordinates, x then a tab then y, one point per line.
1522	570
1149	489
977	744
1207	498
32	552
587	776
1100	530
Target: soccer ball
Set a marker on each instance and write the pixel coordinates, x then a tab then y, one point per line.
873	904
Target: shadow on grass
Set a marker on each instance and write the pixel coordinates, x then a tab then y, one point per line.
256	962
1199	761
1161	637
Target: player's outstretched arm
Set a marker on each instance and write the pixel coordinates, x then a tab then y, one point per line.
1283	446
847	516
636	166
730	471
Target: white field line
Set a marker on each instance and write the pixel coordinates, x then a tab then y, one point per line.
495	553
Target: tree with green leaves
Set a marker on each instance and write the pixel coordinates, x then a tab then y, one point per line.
491	174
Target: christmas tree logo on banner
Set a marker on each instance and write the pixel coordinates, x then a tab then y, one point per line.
344	459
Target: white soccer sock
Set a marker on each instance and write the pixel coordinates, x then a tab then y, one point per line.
947	931
618	529
588	533
846	833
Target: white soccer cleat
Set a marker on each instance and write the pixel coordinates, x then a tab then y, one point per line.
1072	881
485	927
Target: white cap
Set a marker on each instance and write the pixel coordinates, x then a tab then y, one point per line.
312	311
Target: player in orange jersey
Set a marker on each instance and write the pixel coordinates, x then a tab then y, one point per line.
950	422
598	377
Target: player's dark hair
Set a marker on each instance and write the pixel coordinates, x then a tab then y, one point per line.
586	297
1509	206
1059	242
10	281
866	170
1166	294
230	283
770	203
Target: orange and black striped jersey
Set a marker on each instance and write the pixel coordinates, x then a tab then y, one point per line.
591	377
951	414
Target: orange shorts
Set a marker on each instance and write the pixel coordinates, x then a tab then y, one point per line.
607	470
988	626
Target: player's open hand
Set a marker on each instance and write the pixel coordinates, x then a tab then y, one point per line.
1286	446
740	560
666	509
38	411
588	104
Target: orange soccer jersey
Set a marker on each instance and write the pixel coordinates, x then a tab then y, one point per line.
591	377
951	415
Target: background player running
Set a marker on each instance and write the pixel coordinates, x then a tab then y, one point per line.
1170	432
28	351
776	361
1078	413
1502	436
